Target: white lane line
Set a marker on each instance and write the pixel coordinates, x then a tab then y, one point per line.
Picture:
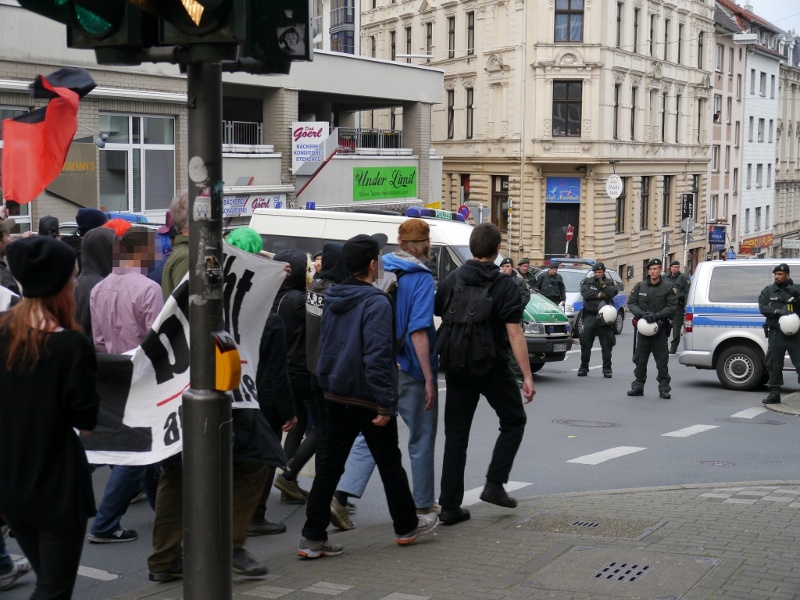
687	431
97	574
749	413
598	457
474	496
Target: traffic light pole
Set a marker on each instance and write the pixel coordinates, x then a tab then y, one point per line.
207	444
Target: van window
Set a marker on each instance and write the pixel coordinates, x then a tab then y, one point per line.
276	243
463	253
739	284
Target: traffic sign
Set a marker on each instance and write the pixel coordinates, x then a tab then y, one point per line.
687	225
570	232
463	210
614	186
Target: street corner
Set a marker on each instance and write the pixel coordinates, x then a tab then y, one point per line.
789	404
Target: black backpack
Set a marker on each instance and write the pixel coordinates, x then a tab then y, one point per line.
464	341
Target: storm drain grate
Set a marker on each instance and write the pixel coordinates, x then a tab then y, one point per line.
617	571
588	524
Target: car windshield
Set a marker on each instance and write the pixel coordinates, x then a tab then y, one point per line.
572	279
463	252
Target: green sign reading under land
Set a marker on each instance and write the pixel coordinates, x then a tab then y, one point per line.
378	183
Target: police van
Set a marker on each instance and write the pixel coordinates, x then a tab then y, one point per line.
723	328
547	329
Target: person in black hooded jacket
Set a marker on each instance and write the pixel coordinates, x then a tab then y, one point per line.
96	252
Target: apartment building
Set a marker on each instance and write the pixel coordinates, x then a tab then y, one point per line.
543	101
787	165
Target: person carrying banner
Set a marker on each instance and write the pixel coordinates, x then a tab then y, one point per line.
48	372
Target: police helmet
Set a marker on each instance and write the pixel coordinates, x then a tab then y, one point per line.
646	328
789	324
606	315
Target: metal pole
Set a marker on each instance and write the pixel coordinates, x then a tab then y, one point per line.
207	442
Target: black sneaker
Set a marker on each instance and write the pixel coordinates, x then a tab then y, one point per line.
607	374
451	516
244	564
635	392
174	572
773	398
664	395
583	372
120	535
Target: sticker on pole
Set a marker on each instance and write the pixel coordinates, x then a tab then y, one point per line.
201	209
614	186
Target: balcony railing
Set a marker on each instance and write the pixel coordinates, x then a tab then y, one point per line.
244	133
354	140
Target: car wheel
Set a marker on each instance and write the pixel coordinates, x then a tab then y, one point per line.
536	367
578	329
740	368
619	322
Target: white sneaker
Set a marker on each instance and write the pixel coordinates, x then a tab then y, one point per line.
20	567
425	524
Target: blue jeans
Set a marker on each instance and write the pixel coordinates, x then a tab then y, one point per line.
6	563
421	444
123	484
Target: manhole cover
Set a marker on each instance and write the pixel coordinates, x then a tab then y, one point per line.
753	421
617	571
580	423
717	463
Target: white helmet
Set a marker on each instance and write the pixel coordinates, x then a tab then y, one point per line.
789	324
606	315
646	328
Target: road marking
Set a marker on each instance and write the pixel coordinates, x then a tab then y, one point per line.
97	574
590	368
598	457
474	496
749	413
687	431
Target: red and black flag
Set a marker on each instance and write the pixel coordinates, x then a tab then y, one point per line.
36	143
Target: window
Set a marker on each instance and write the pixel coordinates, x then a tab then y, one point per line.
766	217
451	114
758	219
408	44
569	21
769	175
343	41
718	58
470	33
714	207
663	117
759	174
727	158
735	181
429	40
730	61
724	209
644	217
761	130
772	86
666	38
373	46
619	225
567	108
636	14
666	201
700	106
738	86
700	40
737	131
392	45
750	130
677	119
680	44
771	126
717	108
715	158
762	84
752	81
470	96
137	166
749	183
615	132
500	201
633	113
451	37
620	8
652	34
747	220
729	107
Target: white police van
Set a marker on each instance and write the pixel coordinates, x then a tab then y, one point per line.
723	328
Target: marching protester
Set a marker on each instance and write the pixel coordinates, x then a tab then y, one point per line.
48	372
87	219
48	225
97	253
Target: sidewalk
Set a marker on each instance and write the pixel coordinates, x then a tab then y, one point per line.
712	541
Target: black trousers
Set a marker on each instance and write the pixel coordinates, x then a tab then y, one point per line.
607	341
677	324
345	422
779	345
54	555
657	346
461	401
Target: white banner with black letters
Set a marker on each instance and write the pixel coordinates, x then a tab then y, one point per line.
141	391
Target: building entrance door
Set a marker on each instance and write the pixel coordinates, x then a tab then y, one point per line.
558	216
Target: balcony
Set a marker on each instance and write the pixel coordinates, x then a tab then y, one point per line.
374	142
242	133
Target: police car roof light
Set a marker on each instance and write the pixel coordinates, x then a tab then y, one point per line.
417	212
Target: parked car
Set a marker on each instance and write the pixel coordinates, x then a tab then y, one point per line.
548	332
573	273
723	328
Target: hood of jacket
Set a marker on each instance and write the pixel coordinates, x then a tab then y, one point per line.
96	252
333	267
343	298
403	261
475	272
298	261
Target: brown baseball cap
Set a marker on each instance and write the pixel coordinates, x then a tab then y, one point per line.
414	230
7	225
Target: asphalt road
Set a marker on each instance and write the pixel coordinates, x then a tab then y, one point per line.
583	434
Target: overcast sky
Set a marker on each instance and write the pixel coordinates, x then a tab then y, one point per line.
781	13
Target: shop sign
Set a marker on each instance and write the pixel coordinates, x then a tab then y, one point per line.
379	183
563	189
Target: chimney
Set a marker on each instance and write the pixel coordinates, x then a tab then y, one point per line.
747	6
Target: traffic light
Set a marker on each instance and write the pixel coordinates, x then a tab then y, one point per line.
278	32
184	22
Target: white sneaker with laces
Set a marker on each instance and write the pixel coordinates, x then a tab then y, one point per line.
20	567
425	524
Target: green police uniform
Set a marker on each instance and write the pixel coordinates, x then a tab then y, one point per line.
774	301
596	292
551	287
681	283
661	299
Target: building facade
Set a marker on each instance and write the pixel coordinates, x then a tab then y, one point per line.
787	165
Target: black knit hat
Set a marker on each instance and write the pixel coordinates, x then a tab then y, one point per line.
89	218
41	265
362	249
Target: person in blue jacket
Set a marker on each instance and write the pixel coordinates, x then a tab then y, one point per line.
357	371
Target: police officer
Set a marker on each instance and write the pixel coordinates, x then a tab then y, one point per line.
551	285
524	271
655	301
597	290
778	300
681	283
507	267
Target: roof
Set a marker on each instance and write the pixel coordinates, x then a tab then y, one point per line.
725	21
744	17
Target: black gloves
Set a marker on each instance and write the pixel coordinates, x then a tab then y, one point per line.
784	311
649	317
